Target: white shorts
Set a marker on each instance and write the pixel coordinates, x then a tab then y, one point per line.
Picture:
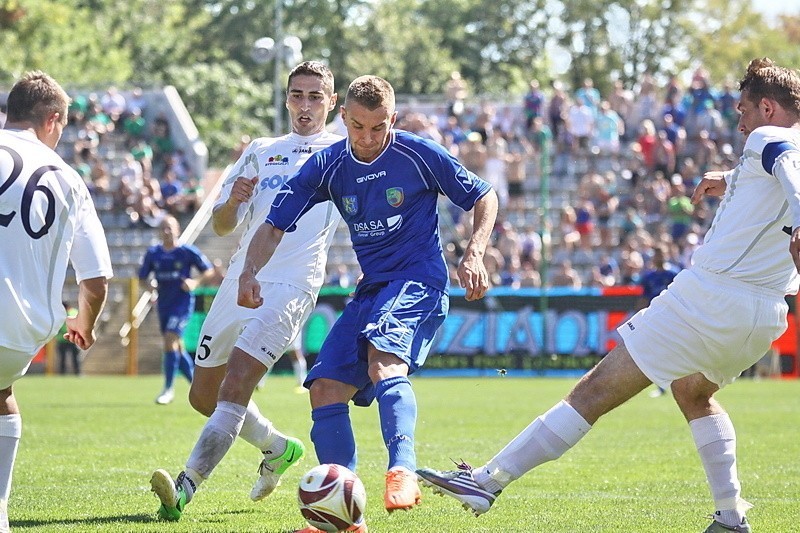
13	365
704	323
264	333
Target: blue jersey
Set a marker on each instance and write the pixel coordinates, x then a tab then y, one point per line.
389	205
170	268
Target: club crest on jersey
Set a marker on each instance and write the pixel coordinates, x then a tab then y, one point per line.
350	204
395	196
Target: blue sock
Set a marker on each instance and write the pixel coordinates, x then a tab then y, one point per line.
397	407
170	365
332	435
186	365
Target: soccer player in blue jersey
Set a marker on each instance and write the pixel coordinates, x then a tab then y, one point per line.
171	264
385	183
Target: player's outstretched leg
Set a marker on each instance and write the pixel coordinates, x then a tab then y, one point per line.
273	466
172	493
459	484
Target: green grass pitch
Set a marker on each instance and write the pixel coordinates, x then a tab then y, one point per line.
90	444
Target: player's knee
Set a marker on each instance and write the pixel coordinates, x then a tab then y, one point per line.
201	402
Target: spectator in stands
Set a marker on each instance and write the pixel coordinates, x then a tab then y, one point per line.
566	276
161	142
609	129
679	208
113	104
456	92
533	104
580	126
134	125
519	154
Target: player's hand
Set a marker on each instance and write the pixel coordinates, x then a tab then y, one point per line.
243	189
189	284
249	291
473	277
79	334
712	184
794	247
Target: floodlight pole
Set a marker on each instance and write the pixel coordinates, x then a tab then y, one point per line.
277	83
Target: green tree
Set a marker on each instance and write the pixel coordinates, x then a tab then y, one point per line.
224	103
62	40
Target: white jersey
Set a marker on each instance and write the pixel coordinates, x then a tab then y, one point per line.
300	258
46	219
748	239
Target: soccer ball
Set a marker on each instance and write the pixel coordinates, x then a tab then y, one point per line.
331	497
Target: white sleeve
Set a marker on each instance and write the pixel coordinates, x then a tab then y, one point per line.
247	166
89	256
787	170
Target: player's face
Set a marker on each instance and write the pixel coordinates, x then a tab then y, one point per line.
751	114
169	230
308	104
368	130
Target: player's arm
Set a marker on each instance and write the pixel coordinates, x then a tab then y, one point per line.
261	248
225	216
92	294
472	273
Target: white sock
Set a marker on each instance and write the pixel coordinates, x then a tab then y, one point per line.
10	433
300	370
216	438
545	439
259	431
715	439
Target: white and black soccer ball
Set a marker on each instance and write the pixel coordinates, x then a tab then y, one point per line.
331	497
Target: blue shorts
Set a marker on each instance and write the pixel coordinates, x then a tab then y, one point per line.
400	317
173	320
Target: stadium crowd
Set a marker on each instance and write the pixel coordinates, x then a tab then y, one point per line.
619	167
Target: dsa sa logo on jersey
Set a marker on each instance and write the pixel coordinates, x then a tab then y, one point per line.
350	204
395	196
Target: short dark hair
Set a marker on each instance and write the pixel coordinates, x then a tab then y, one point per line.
35	97
371	92
313	68
765	79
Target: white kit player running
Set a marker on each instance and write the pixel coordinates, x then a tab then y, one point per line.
238	345
715	320
47	219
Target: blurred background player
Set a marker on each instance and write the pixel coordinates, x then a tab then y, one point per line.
238	344
40	234
386	185
171	265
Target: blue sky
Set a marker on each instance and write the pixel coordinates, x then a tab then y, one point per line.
774	7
